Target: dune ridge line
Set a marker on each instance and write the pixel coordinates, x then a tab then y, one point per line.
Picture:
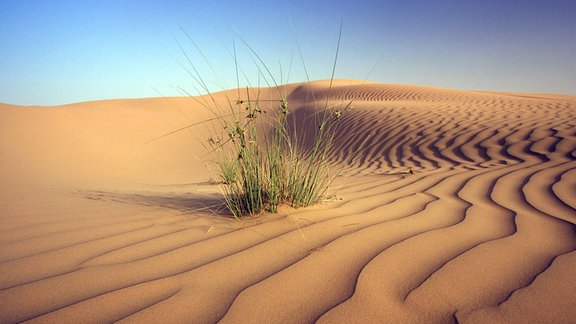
457	206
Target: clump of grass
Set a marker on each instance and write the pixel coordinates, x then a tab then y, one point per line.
262	162
262	174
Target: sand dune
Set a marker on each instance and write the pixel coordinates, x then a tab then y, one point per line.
451	206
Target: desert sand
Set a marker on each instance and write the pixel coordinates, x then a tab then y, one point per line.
450	206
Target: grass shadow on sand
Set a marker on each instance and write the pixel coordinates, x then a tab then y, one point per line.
188	203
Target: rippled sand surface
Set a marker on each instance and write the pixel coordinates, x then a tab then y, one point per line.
450	206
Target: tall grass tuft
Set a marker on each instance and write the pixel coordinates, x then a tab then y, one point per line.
263	163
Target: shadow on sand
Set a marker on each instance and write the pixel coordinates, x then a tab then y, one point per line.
189	202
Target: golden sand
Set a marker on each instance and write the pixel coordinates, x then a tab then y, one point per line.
458	205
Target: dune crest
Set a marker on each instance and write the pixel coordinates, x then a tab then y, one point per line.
450	206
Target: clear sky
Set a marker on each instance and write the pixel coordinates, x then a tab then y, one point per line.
58	52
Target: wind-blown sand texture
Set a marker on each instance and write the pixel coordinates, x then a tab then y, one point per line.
459	206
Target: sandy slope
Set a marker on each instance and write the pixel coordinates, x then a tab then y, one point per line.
459	206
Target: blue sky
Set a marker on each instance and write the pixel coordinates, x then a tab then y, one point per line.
59	52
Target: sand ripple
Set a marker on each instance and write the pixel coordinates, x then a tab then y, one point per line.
452	206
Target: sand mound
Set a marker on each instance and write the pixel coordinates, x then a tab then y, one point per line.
451	206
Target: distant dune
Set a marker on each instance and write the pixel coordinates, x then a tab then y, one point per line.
451	206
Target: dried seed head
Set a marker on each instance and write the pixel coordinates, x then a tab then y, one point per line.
284	106
214	140
253	111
